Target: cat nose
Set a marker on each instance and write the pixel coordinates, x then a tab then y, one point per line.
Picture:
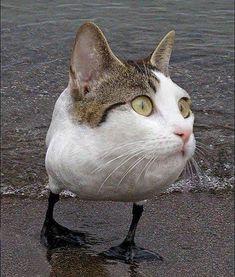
185	135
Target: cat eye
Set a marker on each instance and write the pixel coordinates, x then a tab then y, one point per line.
142	105
185	107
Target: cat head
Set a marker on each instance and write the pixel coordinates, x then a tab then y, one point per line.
130	101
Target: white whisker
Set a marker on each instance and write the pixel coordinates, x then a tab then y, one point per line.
143	170
103	166
202	146
125	161
150	164
130	168
197	169
190	170
200	151
187	172
110	151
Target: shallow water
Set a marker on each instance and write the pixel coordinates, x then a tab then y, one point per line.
36	43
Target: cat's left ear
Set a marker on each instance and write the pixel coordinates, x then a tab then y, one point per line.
91	59
160	57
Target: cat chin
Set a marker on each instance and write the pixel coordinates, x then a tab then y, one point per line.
189	149
183	155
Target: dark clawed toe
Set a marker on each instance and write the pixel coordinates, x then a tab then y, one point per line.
54	235
131	253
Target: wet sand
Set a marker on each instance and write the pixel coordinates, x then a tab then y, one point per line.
192	231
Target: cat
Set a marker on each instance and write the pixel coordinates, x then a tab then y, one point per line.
120	131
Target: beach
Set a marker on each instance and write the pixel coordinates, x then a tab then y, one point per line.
192	231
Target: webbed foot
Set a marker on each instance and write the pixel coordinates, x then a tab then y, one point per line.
54	235
130	253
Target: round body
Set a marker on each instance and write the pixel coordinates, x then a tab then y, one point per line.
128	157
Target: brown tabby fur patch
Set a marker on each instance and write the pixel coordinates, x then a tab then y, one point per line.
121	85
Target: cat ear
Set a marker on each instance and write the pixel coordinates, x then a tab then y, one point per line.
161	55
91	58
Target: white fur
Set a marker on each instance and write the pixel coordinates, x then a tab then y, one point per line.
94	162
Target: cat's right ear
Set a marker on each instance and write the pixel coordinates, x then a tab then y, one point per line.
91	59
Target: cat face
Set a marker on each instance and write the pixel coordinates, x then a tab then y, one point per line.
135	100
146	145
119	122
163	128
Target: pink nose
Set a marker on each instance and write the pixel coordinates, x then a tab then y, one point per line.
185	135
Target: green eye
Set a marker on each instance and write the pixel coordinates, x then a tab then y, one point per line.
185	107
142	105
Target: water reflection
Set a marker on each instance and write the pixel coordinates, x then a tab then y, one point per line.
75	262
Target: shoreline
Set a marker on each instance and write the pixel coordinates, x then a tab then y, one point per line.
192	231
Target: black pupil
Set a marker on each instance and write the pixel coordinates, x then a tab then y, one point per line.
142	105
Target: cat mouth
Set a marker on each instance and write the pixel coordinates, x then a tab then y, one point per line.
185	152
182	152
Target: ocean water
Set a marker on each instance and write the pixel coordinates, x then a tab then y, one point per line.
36	44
